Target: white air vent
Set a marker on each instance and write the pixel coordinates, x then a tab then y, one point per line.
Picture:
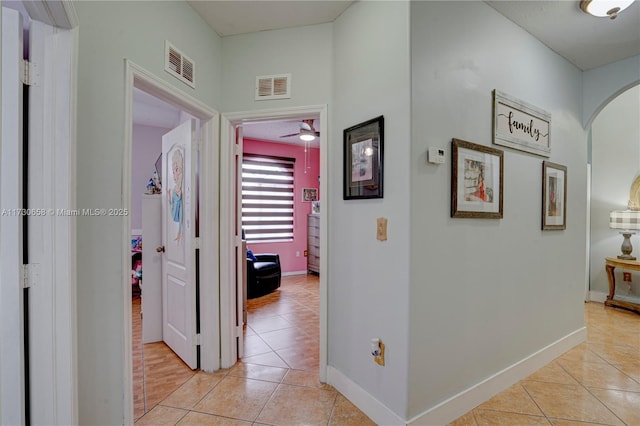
273	87
178	65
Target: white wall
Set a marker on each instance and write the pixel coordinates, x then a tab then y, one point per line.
305	52
368	279
147	146
487	293
109	33
603	84
615	161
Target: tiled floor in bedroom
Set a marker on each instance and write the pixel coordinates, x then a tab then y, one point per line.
275	384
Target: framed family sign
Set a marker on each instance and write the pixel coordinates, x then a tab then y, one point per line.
363	157
477	175
520	125
554	196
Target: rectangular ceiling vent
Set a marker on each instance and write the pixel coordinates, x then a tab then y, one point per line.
273	87
178	64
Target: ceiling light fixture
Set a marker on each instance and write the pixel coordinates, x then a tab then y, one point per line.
307	137
604	8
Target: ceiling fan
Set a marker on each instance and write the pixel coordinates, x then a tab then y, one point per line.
306	132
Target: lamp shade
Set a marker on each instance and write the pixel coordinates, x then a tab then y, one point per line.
627	220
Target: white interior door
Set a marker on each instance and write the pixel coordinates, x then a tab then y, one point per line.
178	236
12	383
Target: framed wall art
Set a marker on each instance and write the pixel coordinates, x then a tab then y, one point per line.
520	125
477	175
363	160
554	196
309	194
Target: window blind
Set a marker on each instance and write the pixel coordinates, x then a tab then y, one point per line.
267	198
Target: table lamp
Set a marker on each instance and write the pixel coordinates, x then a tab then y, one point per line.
627	221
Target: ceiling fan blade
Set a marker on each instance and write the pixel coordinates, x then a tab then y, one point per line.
288	136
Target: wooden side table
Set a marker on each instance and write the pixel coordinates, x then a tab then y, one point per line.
611	264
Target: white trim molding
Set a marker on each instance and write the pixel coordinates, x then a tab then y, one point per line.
52	238
597	296
377	411
292	273
459	404
12	383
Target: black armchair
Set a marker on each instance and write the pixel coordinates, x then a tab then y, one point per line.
263	274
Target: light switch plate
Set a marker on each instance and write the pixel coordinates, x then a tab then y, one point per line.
381	233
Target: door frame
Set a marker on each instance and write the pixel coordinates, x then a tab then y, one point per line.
12	353
138	77
228	241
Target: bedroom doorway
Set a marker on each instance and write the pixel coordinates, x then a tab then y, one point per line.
232	257
281	193
201	135
157	368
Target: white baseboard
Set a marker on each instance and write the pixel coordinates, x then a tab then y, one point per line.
362	399
286	274
465	401
597	296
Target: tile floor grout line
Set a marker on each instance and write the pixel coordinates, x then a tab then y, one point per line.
473	414
219	415
632	378
200	400
333	408
267	402
183	416
497	410
580	382
607	406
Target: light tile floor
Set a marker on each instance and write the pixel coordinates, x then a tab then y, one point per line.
275	383
597	382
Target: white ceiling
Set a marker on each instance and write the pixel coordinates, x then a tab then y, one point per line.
274	130
151	111
239	17
586	41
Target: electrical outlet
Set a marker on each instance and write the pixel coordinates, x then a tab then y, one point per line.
626	276
379	359
377	350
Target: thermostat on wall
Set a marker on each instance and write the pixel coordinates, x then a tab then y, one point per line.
435	155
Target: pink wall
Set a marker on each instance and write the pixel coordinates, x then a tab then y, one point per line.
287	251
